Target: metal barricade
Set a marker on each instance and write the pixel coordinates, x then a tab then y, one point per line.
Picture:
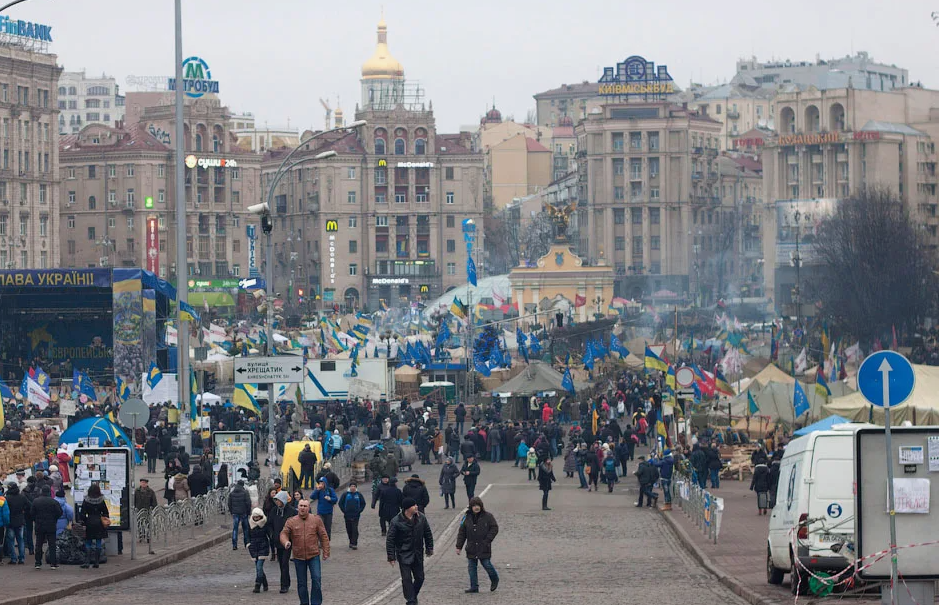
703	508
176	522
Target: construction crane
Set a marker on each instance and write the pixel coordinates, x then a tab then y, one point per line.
329	113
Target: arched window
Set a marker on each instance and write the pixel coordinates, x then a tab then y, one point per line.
198	141
379	146
216	144
420	147
399	146
62	90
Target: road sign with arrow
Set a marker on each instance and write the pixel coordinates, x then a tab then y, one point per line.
286	368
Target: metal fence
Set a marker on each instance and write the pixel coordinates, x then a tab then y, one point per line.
704	509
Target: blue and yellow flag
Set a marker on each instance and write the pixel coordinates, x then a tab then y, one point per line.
5	392
186	312
123	391
458	308
654	362
364	320
821	387
244	397
670	378
721	385
154	375
194	419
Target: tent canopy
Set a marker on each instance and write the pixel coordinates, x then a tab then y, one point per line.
822	425
774	399
100	428
537	377
922	408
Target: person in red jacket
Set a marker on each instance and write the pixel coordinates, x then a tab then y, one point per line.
546	412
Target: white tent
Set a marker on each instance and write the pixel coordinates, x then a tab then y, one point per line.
922	408
210	398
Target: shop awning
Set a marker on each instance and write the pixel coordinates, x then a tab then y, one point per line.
215	299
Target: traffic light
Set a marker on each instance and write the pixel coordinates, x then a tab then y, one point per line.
148	202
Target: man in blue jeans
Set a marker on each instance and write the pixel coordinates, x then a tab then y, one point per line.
306	535
239	504
477	531
666	465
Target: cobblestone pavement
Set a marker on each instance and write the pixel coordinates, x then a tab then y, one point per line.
590	548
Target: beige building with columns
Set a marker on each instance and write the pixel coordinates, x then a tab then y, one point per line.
644	168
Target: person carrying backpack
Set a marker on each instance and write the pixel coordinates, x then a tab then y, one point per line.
609	471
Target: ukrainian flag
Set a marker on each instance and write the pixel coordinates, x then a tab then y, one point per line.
244	397
458	308
154	375
364	320
123	391
654	362
338	344
670	378
186	312
193	408
721	385
821	387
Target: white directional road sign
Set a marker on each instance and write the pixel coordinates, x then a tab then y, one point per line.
285	368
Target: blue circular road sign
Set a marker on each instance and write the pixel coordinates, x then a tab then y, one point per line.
886	378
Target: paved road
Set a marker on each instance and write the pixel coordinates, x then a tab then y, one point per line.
591	548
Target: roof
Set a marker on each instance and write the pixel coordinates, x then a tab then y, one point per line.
537	377
563	131
130	138
449	144
748	164
534	146
892	127
565	90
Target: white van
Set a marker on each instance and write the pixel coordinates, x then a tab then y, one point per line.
814	506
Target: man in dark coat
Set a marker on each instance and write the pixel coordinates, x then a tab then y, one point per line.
152	449
239	505
389	502
646	474
46	511
494	442
477	531
414	488
17	504
409	538
468	446
282	511
307	460
470	472
352	503
713	456
199	482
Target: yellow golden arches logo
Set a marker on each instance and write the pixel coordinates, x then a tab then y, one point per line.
382	163
425	288
332	226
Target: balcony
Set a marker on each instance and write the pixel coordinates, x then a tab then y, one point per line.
697	150
712	151
423	229
635	176
697	174
733	114
816	158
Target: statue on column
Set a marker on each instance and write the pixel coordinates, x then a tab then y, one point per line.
560	215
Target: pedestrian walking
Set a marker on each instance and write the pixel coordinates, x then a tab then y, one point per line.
531	463
470	472
307	460
545	479
352	503
448	474
713	456
665	467
239	505
592	467
570	464
306	535
760	484
646	474
389	502
326	498
609	471
414	488
15	538
259	547
93	514
409	539
477	531
276	520
46	512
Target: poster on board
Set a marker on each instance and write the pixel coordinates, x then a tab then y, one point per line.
234	448
109	467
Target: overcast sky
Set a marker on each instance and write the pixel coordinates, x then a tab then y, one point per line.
277	58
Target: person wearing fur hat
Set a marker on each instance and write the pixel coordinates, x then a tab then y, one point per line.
414	488
259	547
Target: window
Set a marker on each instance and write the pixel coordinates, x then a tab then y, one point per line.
655	216
379	146
637	245
353	269
236	198
450	221
161	171
91	233
619	193
161	196
350	173
399	146
130	222
401	198
43	226
653	167
636	214
619	166
71	246
620	243
451	268
112	223
717	109
654	242
70	222
131	198
236	270
24	225
619	216
451	246
92	202
92	172
653	141
130	170
381	243
93	116
450	197
70	173
448	173
353	246
42	193
353	222
381	198
420	147
3	224
112	197
381	221
653	193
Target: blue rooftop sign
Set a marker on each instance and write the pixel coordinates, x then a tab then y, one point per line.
26	29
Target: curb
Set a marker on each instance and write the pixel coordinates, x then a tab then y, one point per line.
124	574
737	587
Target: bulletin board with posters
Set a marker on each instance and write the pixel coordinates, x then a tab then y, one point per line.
109	467
234	448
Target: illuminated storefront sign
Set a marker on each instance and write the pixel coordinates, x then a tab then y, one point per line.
213	283
826	138
193	161
252	251
390	281
197	78
636	77
153	245
415	164
332	226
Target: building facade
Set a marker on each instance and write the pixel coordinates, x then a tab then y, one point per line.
851	71
258	139
118	183
647	176
29	218
574	101
83	101
381	219
739	106
830	144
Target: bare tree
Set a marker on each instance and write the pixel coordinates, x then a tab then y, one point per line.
537	238
530	116
503	248
877	271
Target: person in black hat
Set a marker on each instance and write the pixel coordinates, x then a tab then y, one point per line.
409	539
352	503
414	488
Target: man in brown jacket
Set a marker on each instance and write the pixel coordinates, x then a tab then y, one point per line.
306	535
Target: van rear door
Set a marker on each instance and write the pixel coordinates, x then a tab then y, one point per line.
831	493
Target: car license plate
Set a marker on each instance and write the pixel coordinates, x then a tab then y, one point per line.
831	538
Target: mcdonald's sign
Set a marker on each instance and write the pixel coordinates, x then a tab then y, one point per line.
382	163
425	289
332	226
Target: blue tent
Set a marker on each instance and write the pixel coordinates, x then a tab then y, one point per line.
822	425
103	429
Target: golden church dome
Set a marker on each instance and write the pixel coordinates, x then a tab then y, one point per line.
382	65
